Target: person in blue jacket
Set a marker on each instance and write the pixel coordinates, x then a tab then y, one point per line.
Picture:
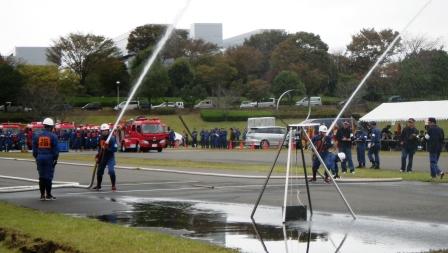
106	157
361	140
434	137
46	153
332	160
374	145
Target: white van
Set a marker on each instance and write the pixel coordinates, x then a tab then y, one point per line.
265	136
132	105
207	103
314	101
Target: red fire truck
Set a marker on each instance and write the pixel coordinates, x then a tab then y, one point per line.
143	134
32	129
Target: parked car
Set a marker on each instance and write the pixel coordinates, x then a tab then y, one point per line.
270	102
61	108
9	107
394	99
357	102
94	106
179	105
207	103
265	136
132	105
248	104
314	101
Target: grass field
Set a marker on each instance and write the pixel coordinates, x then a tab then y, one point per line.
35	231
234	167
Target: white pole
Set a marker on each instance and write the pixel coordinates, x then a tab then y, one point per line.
288	165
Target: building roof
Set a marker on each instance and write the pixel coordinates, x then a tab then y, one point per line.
419	110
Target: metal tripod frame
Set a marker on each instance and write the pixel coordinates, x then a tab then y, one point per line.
303	132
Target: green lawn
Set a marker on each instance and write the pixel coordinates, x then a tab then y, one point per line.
86	235
235	167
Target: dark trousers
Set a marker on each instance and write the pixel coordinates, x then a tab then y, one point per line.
361	153
374	155
434	160
407	153
348	158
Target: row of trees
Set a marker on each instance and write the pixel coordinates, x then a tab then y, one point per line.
265	65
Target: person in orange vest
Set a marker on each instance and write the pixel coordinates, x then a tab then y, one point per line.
46	153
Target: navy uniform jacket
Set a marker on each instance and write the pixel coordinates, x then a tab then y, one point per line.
375	136
436	137
45	146
109	149
322	143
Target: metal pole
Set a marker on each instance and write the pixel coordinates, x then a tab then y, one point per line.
332	179
118	92
263	188
288	166
302	131
281	96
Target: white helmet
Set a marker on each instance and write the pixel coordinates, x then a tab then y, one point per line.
104	126
323	128
341	156
48	122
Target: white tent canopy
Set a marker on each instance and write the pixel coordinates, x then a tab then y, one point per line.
419	110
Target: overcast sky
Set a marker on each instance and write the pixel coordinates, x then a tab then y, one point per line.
38	22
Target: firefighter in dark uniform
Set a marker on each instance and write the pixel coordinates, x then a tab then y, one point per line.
106	157
361	140
322	143
46	153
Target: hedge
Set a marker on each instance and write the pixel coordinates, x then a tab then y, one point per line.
242	115
112	101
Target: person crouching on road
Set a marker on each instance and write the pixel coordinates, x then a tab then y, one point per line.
332	162
106	157
46	153
322	143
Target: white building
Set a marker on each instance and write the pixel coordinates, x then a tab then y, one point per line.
208	32
31	55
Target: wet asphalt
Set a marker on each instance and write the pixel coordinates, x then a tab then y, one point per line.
398	200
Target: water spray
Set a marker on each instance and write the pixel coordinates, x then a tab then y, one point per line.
379	60
148	65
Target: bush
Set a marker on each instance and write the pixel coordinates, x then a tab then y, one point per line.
331	100
164	111
112	101
240	115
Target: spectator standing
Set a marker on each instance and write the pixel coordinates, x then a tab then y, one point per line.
434	138
408	142
374	145
344	136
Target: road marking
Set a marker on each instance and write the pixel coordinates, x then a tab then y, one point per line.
169	182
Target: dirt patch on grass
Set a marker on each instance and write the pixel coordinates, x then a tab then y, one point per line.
24	243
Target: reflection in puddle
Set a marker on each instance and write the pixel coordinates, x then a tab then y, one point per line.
229	225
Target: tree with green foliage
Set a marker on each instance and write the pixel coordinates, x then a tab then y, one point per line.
42	89
156	83
266	42
145	36
366	47
81	53
181	74
424	74
287	80
246	60
11	82
258	89
102	81
306	54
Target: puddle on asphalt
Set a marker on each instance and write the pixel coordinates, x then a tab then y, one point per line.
229	225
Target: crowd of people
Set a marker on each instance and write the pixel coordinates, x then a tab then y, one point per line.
368	137
215	138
